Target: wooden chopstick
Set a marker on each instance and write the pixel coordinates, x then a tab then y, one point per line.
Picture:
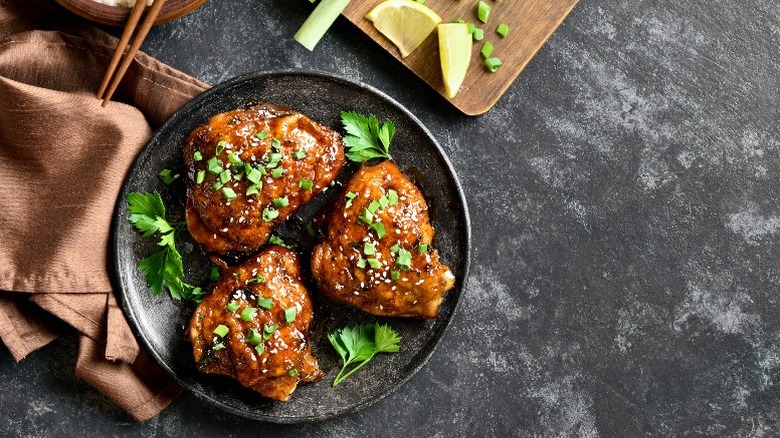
146	25
132	22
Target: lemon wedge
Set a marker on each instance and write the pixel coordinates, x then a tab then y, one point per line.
455	54
404	22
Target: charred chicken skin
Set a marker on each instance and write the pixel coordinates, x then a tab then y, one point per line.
253	326
377	254
250	169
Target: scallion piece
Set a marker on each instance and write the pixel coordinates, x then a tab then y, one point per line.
281	202
200	177
276	143
221	330
493	64
218	346
261	135
214	165
471	27
366	217
350	196
305	184
220	147
502	30
392	197
257	279
379	229
216	186
231	306
487	50
458	21
214	275
289	314
269	329
319	22
234	158
260	348
299	155
404	259
395	248
395	275
483	11
361	263
229	194
254	189
293	372
197	156
254	337
254	175
373	206
265	302
248	313
383	202
310	229
369	249
422	248
224	177
269	214
478	34
277	173
374	263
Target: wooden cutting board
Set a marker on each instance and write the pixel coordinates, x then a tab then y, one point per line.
530	22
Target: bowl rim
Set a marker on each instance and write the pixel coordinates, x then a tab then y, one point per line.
117	15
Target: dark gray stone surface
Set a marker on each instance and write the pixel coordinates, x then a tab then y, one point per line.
625	223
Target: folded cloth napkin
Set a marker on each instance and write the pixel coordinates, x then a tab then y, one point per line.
62	161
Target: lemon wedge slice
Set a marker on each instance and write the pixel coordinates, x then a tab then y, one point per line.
455	54
404	22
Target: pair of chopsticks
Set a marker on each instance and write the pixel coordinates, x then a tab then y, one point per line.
113	74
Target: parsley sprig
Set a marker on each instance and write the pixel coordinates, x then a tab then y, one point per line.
366	139
163	268
357	345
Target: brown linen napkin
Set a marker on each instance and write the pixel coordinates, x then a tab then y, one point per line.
62	161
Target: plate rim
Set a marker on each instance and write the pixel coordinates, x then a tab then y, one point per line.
120	281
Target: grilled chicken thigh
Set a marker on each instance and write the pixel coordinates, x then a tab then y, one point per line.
250	169
377	254
253	326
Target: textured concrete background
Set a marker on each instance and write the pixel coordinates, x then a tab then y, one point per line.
625	222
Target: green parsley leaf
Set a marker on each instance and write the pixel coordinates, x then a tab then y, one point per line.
357	346
366	139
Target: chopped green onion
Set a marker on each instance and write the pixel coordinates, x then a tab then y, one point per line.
218	346
277	173
471	27
361	263
350	196
269	214
239	176
254	175
230	195
392	197
289	314
319	22
275	156
276	143
214	165
487	49
220	147
265	302
369	249
502	30
395	248
232	306
395	275
422	248
459	21
166	176
379	229
234	158
310	229
305	184
483	11
275	240
261	135
269	330
373	206
493	64
293	372
383	202
224	177
404	259
201	177
281	202
254	189
248	313
214	275
478	35
216	186
366	217
374	263
299	155
254	337
197	156
221	330
260	348
257	279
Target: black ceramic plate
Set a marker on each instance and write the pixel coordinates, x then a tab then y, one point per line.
160	322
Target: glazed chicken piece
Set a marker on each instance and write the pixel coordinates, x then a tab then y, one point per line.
253	326
377	254
250	169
